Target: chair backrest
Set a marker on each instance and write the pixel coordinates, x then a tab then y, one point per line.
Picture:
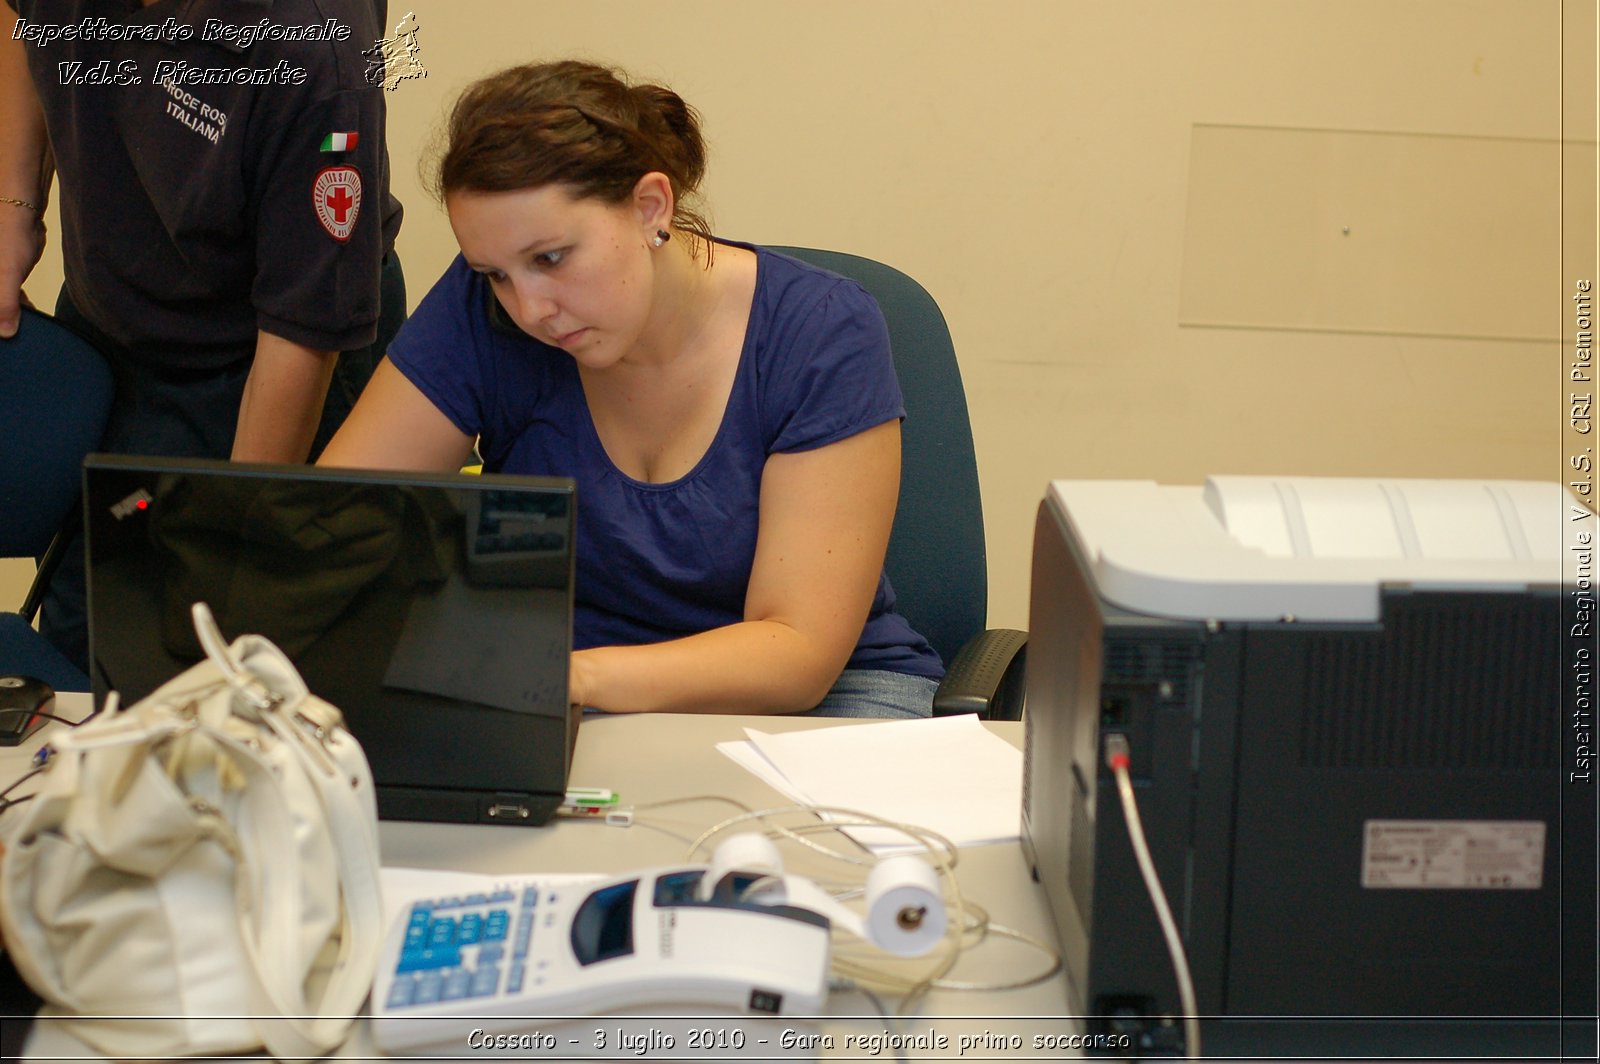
55	396
936	559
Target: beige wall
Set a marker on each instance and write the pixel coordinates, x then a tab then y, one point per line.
1030	163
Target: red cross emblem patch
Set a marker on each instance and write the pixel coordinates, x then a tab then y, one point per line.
336	194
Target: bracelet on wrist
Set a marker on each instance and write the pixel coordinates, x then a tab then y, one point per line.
20	203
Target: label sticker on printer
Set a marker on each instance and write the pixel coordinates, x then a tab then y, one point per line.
1453	854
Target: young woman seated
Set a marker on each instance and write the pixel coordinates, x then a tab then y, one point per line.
731	415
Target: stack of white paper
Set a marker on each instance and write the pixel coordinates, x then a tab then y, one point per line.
948	774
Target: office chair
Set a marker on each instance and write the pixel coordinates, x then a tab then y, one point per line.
55	397
936	561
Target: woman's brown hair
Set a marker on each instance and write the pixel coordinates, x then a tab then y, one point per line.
576	124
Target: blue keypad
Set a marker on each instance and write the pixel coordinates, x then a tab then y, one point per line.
495	927
456	948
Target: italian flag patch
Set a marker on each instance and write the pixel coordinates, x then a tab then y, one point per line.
340	141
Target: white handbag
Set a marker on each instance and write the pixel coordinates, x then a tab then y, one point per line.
199	873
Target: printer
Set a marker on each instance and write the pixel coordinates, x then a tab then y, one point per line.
1355	711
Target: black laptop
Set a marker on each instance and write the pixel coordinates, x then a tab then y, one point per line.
435	610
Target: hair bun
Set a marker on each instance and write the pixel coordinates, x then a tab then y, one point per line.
680	120
576	124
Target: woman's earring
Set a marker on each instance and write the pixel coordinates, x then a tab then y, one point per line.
662	236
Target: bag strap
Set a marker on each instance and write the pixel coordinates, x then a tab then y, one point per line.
296	1029
350	825
266	881
241	679
269	884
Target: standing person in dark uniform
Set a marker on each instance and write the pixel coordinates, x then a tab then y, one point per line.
227	223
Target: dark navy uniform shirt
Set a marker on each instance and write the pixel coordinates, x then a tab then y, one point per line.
195	213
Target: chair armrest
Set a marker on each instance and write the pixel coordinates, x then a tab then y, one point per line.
49	564
986	677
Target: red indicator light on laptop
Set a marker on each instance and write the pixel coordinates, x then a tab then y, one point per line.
139	500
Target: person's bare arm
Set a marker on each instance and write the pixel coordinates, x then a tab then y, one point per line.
282	401
25	172
395	426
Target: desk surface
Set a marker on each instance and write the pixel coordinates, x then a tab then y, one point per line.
653	758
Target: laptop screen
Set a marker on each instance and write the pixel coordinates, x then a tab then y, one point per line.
435	611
